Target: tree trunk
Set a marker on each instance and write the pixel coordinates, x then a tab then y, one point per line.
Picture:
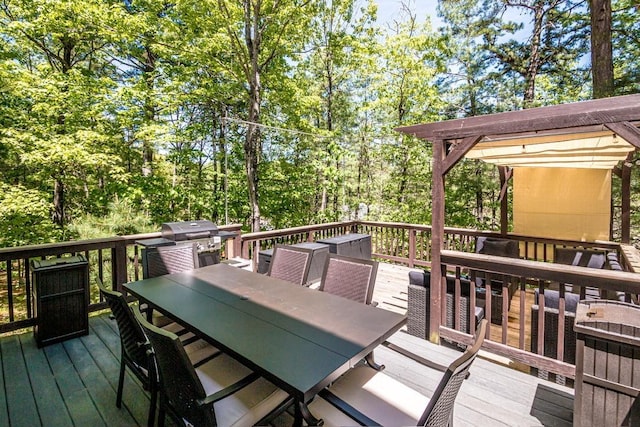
252	146
58	202
601	50
534	58
149	109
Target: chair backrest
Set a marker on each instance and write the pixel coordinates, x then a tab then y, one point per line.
439	411
580	257
179	384
351	278
169	259
290	263
497	247
132	337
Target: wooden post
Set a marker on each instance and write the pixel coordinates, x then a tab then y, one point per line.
412	247
504	200
437	238
119	265
626	199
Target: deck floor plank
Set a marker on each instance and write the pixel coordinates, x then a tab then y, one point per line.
77	398
43	384
20	397
4	407
98	387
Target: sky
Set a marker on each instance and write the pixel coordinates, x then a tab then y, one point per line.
388	10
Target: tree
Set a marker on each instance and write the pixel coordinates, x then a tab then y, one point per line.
340	57
406	93
601	48
62	69
260	33
552	47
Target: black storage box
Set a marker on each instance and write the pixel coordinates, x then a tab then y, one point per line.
352	245
607	386
318	258
61	292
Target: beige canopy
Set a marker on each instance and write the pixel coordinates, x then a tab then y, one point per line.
595	134
597	150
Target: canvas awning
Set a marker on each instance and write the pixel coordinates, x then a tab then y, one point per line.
589	134
596	150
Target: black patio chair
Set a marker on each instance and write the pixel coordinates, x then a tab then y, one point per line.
169	259
369	397
134	346
351	278
220	391
290	263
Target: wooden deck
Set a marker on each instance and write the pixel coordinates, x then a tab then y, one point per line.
74	383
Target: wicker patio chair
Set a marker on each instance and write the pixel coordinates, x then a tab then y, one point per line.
351	278
551	323
371	397
134	347
581	258
291	264
168	260
419	303
220	391
504	248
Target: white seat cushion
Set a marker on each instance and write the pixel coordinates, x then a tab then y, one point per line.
247	406
200	350
378	396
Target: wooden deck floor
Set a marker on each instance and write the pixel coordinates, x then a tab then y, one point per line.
74	383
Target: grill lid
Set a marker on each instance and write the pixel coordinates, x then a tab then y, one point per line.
189	230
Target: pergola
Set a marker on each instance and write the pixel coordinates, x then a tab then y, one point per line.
596	134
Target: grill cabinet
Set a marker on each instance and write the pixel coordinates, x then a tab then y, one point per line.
352	245
61	292
203	233
318	257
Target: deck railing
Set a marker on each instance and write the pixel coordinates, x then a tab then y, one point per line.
117	260
510	331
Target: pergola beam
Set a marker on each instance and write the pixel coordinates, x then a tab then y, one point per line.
626	131
458	151
541	119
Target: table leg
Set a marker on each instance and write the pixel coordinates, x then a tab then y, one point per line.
372	363
302	413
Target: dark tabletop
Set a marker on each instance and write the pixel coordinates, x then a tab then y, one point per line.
300	338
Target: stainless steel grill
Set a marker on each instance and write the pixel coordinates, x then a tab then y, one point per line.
204	234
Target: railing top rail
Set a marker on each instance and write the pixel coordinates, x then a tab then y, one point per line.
259	235
59	248
605	279
71	246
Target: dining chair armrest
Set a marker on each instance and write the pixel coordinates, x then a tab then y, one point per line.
228	391
421	360
347	409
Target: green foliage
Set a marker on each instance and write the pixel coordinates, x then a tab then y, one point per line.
121	219
24	217
136	112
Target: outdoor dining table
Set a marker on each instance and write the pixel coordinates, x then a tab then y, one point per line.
298	338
